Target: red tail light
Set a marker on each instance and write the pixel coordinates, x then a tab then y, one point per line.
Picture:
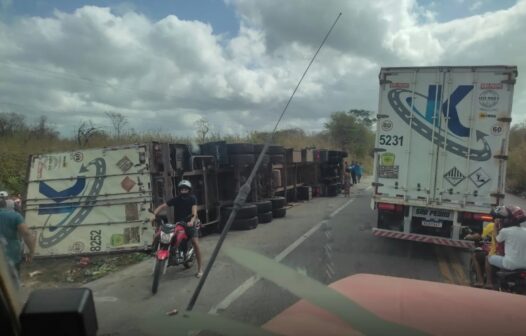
523	275
386	206
477	216
483	217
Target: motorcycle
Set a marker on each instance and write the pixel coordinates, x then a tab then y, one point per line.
165	251
512	281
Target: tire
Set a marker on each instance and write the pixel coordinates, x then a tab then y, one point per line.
240	148
265	217
277	159
275	149
332	190
472	273
278	202
245	224
159	267
265	162
272	149
246	211
263	206
190	262
279	213
242	159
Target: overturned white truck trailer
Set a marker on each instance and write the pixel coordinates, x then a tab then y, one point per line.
98	200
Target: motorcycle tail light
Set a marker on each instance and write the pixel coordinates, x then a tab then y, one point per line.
166	238
523	275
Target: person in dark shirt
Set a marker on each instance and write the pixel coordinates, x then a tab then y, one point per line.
185	205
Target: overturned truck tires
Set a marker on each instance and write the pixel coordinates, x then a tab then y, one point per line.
279	213
265	217
278	202
245	223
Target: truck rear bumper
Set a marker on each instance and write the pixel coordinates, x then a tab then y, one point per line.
422	238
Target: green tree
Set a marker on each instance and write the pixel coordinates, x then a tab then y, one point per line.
516	170
351	131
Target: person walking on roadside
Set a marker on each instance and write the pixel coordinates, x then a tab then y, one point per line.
358	171
12	227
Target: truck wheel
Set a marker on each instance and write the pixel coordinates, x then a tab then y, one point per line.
278	202
277	158
263	206
246	211
272	149
279	213
264	163
245	224
332	190
265	217
240	148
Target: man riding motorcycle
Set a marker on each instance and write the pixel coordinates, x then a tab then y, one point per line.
508	218
185	204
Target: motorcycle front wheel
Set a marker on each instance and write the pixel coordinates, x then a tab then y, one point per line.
159	267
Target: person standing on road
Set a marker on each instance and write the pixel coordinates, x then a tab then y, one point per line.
358	171
12	226
346	184
353	172
184	205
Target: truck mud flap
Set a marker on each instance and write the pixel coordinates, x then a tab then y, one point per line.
422	238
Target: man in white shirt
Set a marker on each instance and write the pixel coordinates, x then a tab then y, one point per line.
514	238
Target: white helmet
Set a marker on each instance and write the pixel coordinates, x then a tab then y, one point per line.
3	193
184	183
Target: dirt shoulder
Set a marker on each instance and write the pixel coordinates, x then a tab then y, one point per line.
74	271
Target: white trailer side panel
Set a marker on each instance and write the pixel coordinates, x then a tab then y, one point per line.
90	201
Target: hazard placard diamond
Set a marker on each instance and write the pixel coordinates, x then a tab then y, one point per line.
454	176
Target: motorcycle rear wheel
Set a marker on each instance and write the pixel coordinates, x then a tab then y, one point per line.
190	262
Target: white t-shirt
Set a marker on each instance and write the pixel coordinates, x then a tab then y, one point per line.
514	239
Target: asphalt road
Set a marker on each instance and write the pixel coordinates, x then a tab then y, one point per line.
326	238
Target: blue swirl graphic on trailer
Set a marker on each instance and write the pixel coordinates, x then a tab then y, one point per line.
430	127
77	211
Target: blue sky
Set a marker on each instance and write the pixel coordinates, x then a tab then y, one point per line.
137	60
221	16
448	10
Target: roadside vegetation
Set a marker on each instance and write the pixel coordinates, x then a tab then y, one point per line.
351	131
516	174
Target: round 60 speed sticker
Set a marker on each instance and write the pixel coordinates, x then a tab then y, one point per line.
387	125
496	129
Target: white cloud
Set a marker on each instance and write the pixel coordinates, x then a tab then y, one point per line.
168	73
476	5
